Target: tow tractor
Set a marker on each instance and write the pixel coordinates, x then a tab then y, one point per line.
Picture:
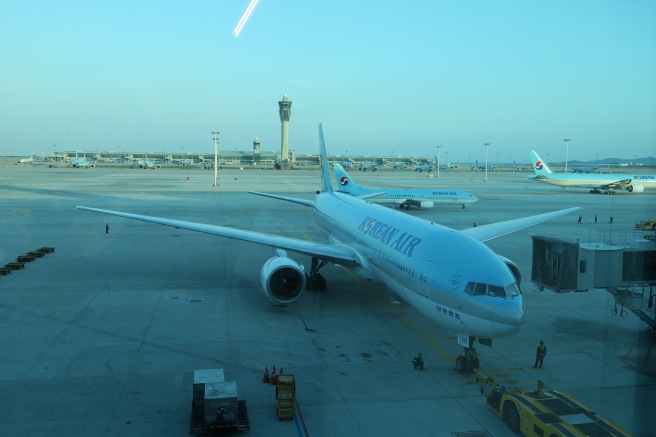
545	412
645	225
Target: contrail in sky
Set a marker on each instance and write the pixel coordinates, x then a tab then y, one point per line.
244	18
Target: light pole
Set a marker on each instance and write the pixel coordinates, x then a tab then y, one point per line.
215	138
438	161
635	163
446	158
498	159
567	140
487	149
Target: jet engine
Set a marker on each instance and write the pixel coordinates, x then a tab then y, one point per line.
635	188
283	279
427	204
407	204
513	269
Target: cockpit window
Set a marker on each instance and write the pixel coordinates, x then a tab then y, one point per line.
481	289
513	290
495	291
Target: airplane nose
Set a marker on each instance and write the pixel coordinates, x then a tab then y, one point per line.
509	314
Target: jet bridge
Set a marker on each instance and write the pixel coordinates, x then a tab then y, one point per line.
628	272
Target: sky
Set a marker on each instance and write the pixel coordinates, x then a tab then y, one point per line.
384	77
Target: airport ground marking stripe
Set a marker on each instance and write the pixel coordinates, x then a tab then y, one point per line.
301	427
129	338
411	325
405	320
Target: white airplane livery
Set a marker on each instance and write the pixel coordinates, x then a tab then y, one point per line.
403	198
427	167
82	162
598	183
449	276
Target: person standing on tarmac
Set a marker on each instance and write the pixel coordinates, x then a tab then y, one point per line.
540	353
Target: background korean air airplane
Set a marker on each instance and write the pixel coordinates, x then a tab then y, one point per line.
82	162
427	167
144	163
399	165
598	183
347	164
481	167
403	198
369	166
449	276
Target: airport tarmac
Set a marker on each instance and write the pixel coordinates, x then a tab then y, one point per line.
102	336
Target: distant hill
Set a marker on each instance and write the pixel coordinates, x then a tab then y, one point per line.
650	162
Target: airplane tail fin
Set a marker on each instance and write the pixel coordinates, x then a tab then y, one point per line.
539	166
326	187
344	181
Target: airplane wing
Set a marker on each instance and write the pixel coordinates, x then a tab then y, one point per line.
495	230
619	184
335	253
288	199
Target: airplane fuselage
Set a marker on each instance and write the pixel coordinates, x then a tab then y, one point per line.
426	264
594	180
607	182
398	197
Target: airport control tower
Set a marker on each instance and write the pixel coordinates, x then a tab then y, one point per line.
285	112
256	151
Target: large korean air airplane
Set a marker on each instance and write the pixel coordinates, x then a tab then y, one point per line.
403	198
449	276
598	183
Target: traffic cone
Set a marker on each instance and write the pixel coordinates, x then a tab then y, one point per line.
265	378
274	377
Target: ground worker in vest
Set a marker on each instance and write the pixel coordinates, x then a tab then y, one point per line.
540	353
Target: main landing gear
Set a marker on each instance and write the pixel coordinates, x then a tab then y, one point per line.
468	362
598	191
315	280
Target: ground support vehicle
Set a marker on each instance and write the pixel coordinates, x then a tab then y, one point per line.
285	397
546	413
215	406
646	225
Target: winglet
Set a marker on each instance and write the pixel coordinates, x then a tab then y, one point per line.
326	187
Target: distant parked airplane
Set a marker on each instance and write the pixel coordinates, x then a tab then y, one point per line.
606	183
365	167
585	168
427	167
399	165
403	198
144	163
478	166
347	164
448	276
29	160
82	162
